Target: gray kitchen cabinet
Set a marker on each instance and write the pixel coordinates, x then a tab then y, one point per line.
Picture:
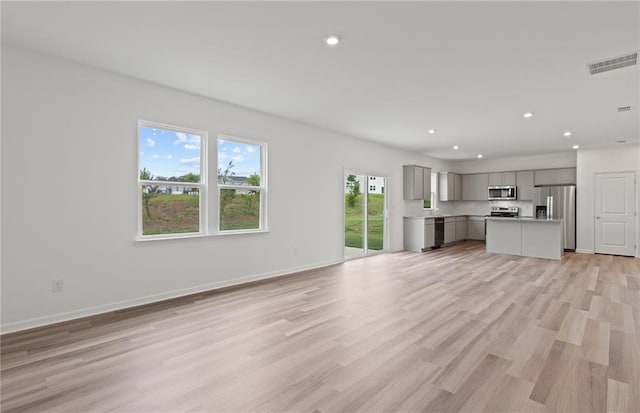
508	178
447	188
555	176
565	176
416	181
457	188
429	233
502	178
475	228
461	228
544	177
418	233
449	230
474	187
524	183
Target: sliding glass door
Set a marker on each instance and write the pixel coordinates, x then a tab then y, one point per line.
364	214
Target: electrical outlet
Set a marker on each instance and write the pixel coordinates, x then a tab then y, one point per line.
57	286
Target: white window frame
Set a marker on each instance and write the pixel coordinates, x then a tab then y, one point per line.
434	192
202	185
263	227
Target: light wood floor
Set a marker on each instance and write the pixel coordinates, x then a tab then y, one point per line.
449	330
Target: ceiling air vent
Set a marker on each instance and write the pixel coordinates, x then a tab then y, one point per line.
624	108
613	64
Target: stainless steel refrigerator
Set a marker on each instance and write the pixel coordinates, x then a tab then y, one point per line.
558	202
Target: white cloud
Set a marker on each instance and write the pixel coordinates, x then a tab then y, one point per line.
190	160
222	155
141	153
155	156
192	140
221	140
236	150
169	156
151	143
237	158
191	147
251	149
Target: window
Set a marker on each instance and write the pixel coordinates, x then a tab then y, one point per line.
241	185
431	203
171	180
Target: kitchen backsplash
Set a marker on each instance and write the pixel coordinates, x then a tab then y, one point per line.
414	208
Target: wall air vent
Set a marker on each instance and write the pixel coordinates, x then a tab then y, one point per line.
624	108
613	64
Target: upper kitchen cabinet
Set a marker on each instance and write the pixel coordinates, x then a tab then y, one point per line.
457	188
474	187
502	179
555	176
566	176
416	182
524	182
450	186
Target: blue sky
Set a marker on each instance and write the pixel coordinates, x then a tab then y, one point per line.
245	157
167	153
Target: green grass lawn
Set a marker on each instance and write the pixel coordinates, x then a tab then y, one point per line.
170	214
173	214
353	231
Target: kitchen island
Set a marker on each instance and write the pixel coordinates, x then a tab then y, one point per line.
529	237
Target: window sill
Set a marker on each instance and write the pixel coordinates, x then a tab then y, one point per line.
140	240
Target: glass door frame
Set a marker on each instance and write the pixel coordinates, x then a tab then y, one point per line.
365	223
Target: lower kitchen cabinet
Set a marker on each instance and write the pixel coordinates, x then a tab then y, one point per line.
429	233
449	230
475	228
461	228
419	233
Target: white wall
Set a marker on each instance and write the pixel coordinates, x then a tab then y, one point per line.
69	193
614	159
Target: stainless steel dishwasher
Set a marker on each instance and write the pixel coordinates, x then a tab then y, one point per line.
439	233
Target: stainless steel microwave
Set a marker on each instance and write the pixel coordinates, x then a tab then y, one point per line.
500	193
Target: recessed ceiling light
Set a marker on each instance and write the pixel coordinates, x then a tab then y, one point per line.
528	115
576	146
332	40
456	147
479	155
566	134
432	131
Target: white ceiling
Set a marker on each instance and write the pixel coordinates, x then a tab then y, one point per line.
468	69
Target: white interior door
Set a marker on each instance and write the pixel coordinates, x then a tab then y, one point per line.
615	213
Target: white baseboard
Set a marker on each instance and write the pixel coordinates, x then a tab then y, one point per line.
583	251
121	305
